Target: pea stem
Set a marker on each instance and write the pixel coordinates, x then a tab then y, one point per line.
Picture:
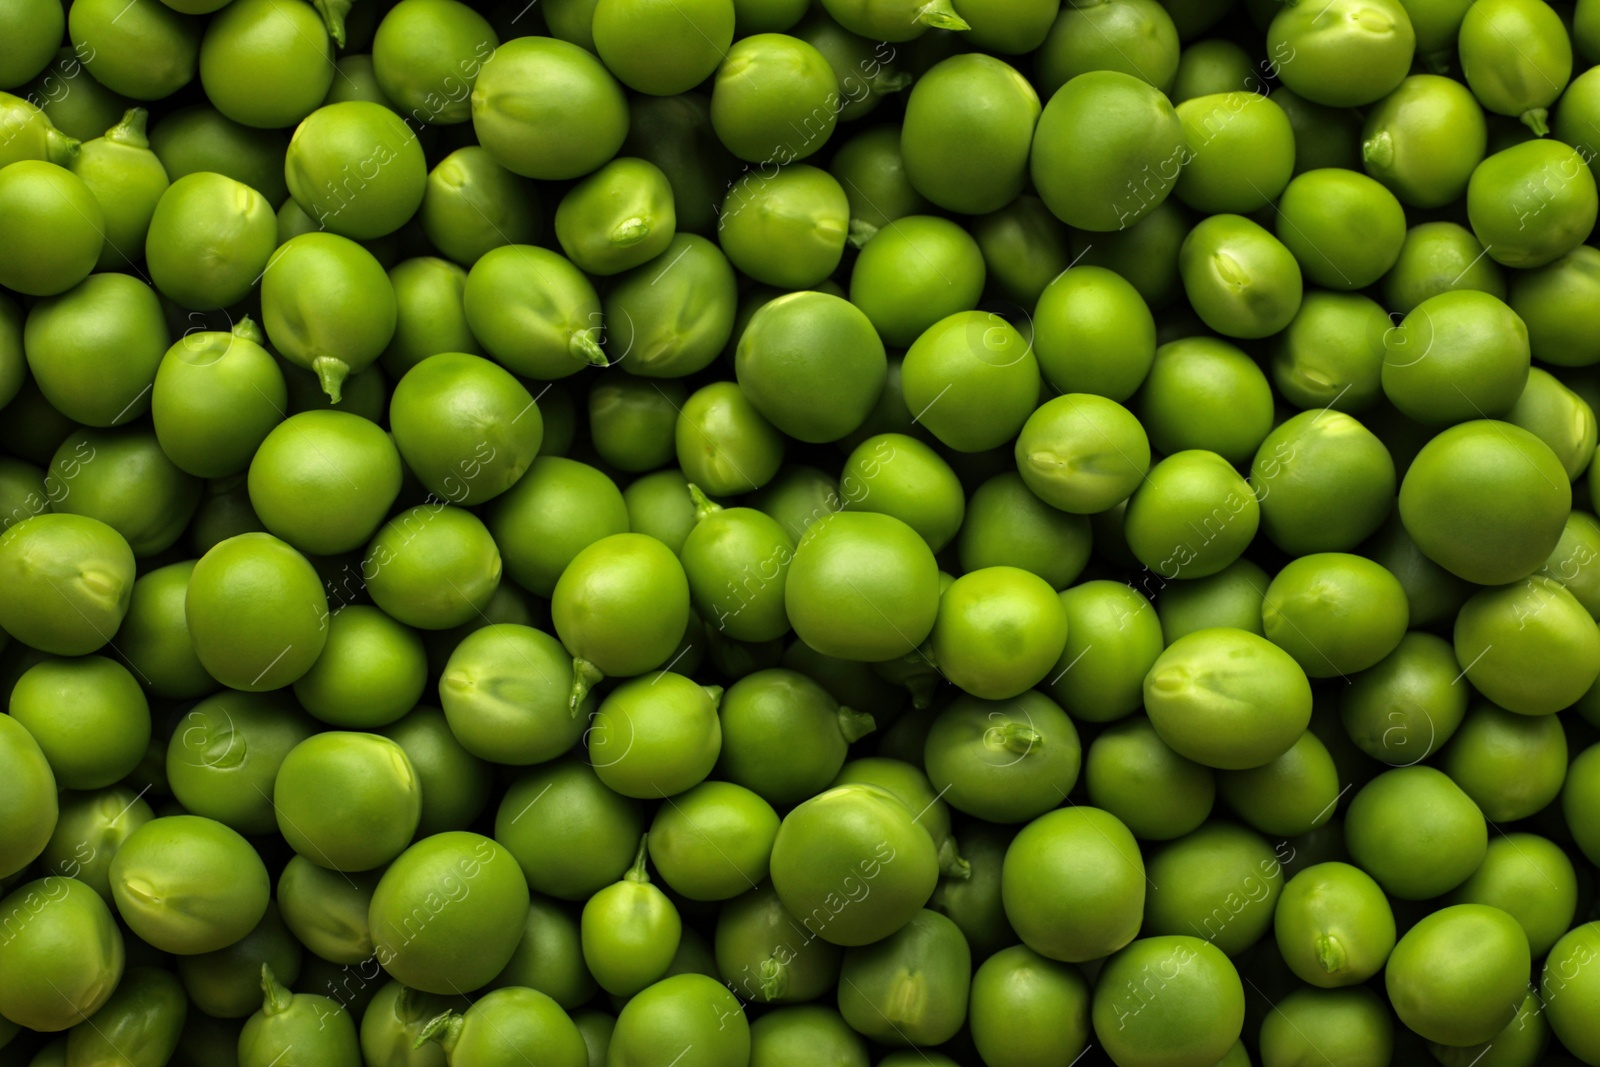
444	1028
61	149
630	232
333	13
276	997
247	328
585	349
585	675
703	505
1534	118
861	232
639	874
951	863
940	15
855	725
331	371
131	130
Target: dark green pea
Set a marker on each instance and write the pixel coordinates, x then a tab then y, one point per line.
1516	57
790	1037
1530	647
65	961
1007	525
13	358
1574	119
80	567
427	54
556	509
547	109
1335	613
1531	879
372	671
911	987
87	714
147	51
327	307
1343	55
1330	356
974	902
1438	257
1557	416
1459	974
355	79
631	422
775	100
893	474
1324	482
324	480
662	48
94	350
568	832
1352	1024
432	567
572	21
124	479
897	21
736	560
675	134
1333	925
1135	37
1221	884
1424	140
34	31
784	736
549	958
1437	24
864	70
618	217
801	496
1416	832
1216	65
466	428
687	1012
1027	1010
216	397
984	364
596	1028
1578	800
1075	861
224	512
1206	394
766	955
1158	794
812	364
1510	765
200	139
1405	707
1242	281
1532	203
1113	636
472	205
267	63
225	753
139	1025
90	829
1323	136
327	910
317	1029
656	735
787	229
392	1026
1145	255
22	491
127	180
1555	303
1293	795
1433	592
871	170
188	884
534	311
1024	248
1570	563
1241	152
1133	137
227	983
1192	516
1344	228
430	313
76	106
455	783
672	316
1003	761
967	109
659	505
723	443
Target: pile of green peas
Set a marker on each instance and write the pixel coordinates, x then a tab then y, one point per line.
799	533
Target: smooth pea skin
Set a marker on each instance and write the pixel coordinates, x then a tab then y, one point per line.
852	865
972	380
660	47
999	631
267	63
1333	925
318	1029
122	478
473	205
426	55
714	841
899	475
775	100
1532	880
556	509
327	306
914	273
28	789
1442	493
568	831
1343	228
767	955
1556	303
1331	353
1424	140
784	736
1416	832
1005	761
326	910
967	132
656	736
65	959
737	561
504	692
1530	647
690	1012
1344	54
1434	258
1242	281
257	613
1201	1018
1241	152
387	156
1569	989
88	715
548	109
1082	453
1108	149
1220	883
786	229
1459	974
187	884
379	800
1192	516
147	50
1093	332
1335	613
862	586
1409	704
139	1024
1135	37
1532	203
630	932
617	218
324	480
216	397
432	567
127	179
1516	57
1007	525
429	313
1207	394
464	426
1027	1010
812	364
94	349
912	986
225	752
1079	862
670	318
534	312
1353	1025
1133	774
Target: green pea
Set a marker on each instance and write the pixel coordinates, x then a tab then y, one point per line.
978	638
1023	248
90	829
76	106
1553	301
1433	592
1204	393
227	983
631	422
981	360
775	100
572	21
893	474
1242	281
498	1028
1333	925
1351	1024
64	960
327	910
812	364
785	737
324	480
1241	152
659	505
427	54
555	510
1330	356
1559	417
466	428
455	782
547	109
1438	257
30	794
67	562
1323	136
1004	761
355	79
88	715
736	561
765	955
472	205
662	49
393	1024
1293	795
1424	140
127	180
630	931
379	800
1531	879
690	1012
534	312
675	134
567	830
1416	832
34	31
372	671
1134	775
911	987
188	884
430	313
656	736
862	586
789	1037
1344	228
1516	58
1345	55
267	63
1135	37
328	307
1442	494
914	273
1075	861
432	566
1335	613
1531	203
1116	623
201	139
1107	151
147	51
1476	993
714	841
787	229
1200	1018
871	170
1529	647
967	131
1568	989
618	217
1213	66
1007	525
1405	707
215	398
864	71
1522	1041
52	225
318	1029
1569	563
672	316
723	443
224	512
505	692
390	175
1221	883
1191	516
1093	332
124	479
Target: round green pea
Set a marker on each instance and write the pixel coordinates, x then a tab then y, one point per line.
145	50
554	511
1343	228
1335	613
1333	925
1516	57
1459	974
662	48
1135	37
620	607
1532	203
1241	280
1191	516
690	1012
327	306
324	480
656	735
617	218
124	479
547	109
225	752
1555	303
1241	152
51	224
504	693
1416	832
999	630
187	884
426	57
1405	707
1424	140
1530	646
812	364
80	567
1331	353
1005	761
921	973
432	566
775	100
714	841
1345	54
672	316
1080	862
64	960
1007	525
266	63
215	398
1134	775
724	444
786	228
1437	257
1532	880
1201	1018
1202	393
967	131
464	426
88	715
862	586
1093	331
